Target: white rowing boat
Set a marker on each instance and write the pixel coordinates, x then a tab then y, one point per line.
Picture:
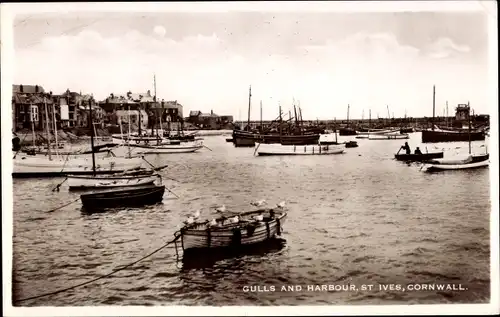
184	147
39	165
469	162
392	136
263	149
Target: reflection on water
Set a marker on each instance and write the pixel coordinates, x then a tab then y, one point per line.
357	218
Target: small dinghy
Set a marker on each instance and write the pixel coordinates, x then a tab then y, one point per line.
235	231
129	197
279	149
470	162
351	144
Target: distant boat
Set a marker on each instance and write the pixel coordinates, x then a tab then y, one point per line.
406	130
437	135
351	144
389	136
418	157
347	131
129	197
241	229
185	147
279	149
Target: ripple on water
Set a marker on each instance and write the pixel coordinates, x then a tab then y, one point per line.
355	218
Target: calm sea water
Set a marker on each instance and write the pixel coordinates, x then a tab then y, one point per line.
357	218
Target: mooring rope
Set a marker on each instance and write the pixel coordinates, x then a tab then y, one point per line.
100	277
52	210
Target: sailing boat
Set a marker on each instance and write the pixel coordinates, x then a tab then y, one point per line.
39	166
123	179
469	162
347	130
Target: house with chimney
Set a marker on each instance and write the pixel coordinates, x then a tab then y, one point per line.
208	120
28	107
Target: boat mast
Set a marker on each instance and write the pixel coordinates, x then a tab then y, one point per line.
154	102
55	127
433	104
447	113
468	105
369	120
249	103
296	119
348	106
92	136
128	138
47	126
261	128
33	126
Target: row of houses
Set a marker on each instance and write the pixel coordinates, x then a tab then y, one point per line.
33	107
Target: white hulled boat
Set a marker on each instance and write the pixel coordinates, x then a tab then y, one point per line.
263	149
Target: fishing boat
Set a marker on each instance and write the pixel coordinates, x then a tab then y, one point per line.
279	149
389	136
418	157
185	147
469	162
239	230
128	197
436	135
346	131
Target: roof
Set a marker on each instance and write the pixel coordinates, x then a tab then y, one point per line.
208	115
30	98
27	89
194	113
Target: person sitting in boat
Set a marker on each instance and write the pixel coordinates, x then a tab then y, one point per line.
407	148
417	150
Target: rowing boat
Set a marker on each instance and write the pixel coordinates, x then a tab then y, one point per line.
470	162
129	197
242	229
279	149
418	157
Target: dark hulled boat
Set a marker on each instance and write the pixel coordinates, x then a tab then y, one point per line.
418	157
129	197
347	131
244	138
435	136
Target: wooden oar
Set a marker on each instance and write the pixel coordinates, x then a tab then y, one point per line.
207	147
256	149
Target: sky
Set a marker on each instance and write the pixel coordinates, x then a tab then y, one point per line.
323	61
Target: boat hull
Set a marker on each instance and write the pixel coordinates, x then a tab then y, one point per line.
123	198
389	137
447	167
243	138
237	236
436	136
41	166
170	149
345	132
278	149
418	157
84	182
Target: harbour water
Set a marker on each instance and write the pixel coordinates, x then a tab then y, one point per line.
353	219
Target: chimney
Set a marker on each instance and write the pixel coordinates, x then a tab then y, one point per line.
211	112
112	96
149	93
21	88
36	88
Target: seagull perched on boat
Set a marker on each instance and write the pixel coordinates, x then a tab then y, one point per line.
189	220
259	217
213	222
235	219
196	215
259	203
281	204
221	208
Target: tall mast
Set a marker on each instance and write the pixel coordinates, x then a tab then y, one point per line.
47	126
446	112
33	126
55	126
280	120
261	128
249	103
370	120
296	119
348	106
433	104
128	138
154	102
468	105
92	136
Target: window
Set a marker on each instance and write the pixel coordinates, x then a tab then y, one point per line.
34	113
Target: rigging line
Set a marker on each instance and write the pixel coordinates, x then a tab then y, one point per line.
102	276
52	210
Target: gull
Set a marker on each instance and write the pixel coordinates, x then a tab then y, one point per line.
213	222
259	217
221	209
197	214
189	220
281	204
259	203
235	219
